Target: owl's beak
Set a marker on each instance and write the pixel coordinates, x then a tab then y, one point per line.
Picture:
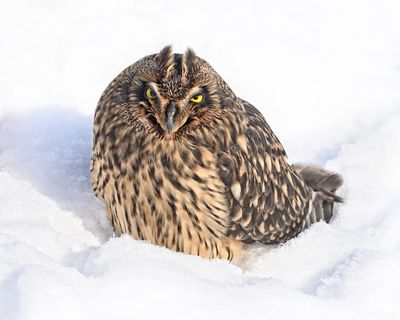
171	110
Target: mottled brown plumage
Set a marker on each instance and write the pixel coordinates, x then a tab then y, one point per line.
182	162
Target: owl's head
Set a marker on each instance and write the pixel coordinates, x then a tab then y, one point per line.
171	94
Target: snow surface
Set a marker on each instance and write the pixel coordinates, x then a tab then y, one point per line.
325	75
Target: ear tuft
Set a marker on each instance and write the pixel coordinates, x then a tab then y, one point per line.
188	62
165	57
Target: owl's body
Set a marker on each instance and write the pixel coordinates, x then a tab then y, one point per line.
182	162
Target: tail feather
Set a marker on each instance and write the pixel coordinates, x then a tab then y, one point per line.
324	184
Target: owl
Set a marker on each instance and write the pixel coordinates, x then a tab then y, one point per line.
182	162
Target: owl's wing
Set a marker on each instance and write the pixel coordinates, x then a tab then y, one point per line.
269	201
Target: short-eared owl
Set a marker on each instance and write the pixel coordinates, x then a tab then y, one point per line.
182	162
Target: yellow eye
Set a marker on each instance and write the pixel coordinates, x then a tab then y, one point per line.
197	98
150	94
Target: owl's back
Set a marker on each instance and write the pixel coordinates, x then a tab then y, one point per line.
273	201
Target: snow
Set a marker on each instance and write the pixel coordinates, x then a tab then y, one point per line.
325	75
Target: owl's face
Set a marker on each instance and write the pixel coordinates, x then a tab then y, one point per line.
174	94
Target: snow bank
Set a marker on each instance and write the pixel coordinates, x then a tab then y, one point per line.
325	76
